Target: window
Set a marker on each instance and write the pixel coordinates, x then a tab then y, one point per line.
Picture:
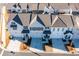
62	29
25	27
13	25
46	27
15	28
36	28
68	28
53	29
57	29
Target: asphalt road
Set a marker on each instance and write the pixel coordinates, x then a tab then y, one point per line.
0	50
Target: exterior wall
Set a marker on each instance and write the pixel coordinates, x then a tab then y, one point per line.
58	33
15	32
76	34
55	33
36	34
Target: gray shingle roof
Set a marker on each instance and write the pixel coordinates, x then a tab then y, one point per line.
46	20
67	20
59	23
11	16
17	19
25	18
60	5
38	19
42	6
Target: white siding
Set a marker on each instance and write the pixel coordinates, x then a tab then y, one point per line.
55	33
15	32
36	34
58	34
76	34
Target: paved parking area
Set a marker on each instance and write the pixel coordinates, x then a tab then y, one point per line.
0	50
